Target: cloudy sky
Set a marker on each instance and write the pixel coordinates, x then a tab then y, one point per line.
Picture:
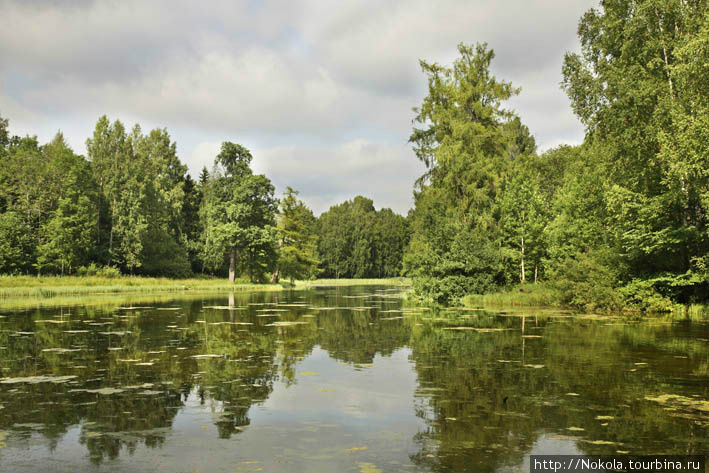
320	91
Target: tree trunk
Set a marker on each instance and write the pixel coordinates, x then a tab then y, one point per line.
664	52
276	276
110	236
232	265
535	272
522	279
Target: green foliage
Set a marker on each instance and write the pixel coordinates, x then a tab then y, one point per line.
298	239
463	143
70	232
238	216
357	241
524	295
636	87
163	256
469	267
589	282
524	214
190	223
643	295
16	244
468	144
620	221
130	205
108	272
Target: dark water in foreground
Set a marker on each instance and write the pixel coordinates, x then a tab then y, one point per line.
340	380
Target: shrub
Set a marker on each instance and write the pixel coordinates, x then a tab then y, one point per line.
93	269
470	267
589	282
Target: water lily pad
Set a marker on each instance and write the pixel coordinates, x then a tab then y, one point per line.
601	442
681	401
365	467
103	391
38	379
285	324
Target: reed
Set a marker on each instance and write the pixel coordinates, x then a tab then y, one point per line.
526	295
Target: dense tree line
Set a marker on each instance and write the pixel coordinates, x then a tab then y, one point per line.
130	206
357	241
618	221
127	207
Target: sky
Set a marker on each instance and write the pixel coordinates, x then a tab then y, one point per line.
321	92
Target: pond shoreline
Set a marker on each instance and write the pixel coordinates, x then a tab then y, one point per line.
543	295
24	291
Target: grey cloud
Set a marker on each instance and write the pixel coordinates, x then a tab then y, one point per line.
382	171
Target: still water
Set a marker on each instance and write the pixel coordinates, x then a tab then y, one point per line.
339	380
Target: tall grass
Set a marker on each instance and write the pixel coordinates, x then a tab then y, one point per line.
16	286
545	295
404	282
524	295
28	291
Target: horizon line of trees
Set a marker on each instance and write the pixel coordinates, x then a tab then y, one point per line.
131	207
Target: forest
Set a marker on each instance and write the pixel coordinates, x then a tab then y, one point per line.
617	222
131	207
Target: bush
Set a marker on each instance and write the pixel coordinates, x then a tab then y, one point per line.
470	267
93	269
589	282
647	295
110	272
163	256
17	251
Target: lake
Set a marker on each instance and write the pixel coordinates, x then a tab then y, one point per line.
348	379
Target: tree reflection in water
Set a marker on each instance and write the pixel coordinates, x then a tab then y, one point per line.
490	385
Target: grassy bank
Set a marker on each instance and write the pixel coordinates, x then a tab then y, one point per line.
17	291
354	282
528	295
50	286
543	295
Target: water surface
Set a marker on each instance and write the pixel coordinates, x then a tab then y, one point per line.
340	379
